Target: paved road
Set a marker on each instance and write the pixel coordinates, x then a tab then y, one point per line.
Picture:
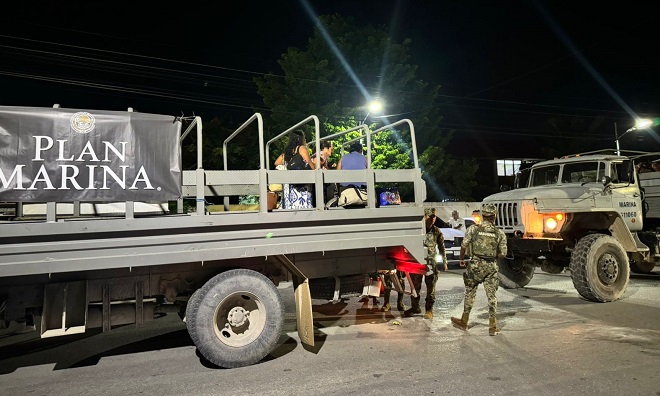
552	343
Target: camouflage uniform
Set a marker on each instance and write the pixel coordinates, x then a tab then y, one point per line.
484	242
388	289
433	242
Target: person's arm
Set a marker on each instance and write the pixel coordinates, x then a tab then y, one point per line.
466	241
462	257
279	160
304	153
502	246
339	164
440	242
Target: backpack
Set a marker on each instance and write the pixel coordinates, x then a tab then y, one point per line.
297	162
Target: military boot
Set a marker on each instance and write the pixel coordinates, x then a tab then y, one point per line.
412	311
386	302
461	323
493	329
399	303
429	311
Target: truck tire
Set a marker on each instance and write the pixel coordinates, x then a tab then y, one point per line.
236	318
551	267
324	288
639	266
515	273
190	303
599	268
642	267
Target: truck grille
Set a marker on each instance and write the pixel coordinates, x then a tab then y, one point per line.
507	214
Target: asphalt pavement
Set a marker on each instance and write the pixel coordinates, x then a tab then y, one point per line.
552	342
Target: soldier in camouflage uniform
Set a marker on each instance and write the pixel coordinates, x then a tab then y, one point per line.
388	289
486	243
434	243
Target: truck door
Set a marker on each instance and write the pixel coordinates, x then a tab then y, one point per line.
626	195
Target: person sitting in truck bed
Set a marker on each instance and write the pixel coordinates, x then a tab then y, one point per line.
296	157
655	165
354	160
644	167
325	157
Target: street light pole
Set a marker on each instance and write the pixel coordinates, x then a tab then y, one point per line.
641	123
616	136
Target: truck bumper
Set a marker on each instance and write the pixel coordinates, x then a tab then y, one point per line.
530	246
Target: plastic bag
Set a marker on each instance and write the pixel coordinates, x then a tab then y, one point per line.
353	196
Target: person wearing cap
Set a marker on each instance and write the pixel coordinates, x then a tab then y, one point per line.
486	244
434	243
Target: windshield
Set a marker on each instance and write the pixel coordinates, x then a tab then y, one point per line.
583	172
544	175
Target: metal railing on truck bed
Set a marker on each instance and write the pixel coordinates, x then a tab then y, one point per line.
60	244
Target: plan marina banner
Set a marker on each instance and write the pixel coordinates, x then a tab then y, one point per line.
67	155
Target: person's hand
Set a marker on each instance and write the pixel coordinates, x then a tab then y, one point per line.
462	263
446	268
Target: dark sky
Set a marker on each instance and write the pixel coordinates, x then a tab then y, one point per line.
505	67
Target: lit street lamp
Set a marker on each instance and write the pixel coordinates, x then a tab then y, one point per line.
374	106
641	123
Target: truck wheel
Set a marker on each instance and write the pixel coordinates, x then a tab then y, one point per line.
551	268
641	266
515	273
236	318
599	268
190	303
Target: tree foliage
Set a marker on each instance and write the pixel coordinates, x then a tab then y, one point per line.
343	67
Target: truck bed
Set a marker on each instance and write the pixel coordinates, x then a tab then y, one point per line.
86	244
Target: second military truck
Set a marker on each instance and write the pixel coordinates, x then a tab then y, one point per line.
592	214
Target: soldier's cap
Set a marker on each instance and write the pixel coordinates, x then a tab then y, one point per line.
429	211
488	209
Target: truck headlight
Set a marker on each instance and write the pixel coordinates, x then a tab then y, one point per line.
553	222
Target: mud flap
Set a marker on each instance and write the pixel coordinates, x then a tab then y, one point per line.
304	317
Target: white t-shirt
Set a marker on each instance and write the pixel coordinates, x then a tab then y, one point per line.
456	222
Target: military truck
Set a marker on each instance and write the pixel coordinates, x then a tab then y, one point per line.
74	266
592	214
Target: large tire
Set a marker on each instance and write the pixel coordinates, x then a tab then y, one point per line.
515	273
642	267
236	318
599	268
324	288
639	266
551	267
190	303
